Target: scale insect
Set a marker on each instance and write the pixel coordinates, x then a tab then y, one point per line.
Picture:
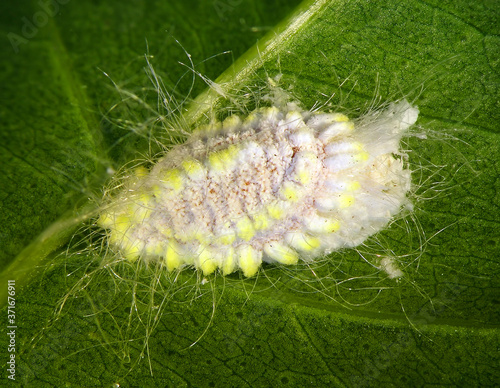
280	185
261	198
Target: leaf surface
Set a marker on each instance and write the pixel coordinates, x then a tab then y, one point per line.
350	325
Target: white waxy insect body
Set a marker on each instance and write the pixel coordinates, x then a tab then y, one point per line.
282	184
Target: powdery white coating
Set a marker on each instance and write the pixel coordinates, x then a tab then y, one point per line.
282	184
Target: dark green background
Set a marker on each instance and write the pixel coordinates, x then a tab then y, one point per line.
438	325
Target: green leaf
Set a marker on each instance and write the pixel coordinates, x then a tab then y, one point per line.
350	325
